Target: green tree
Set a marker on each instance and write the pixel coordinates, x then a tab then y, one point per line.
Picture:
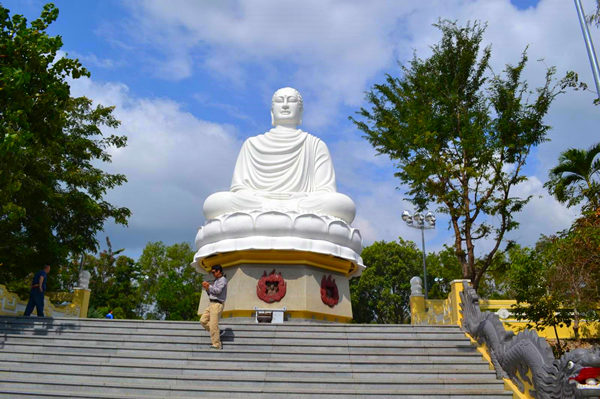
381	294
442	268
576	177
575	257
460	136
65	277
529	280
51	192
114	283
557	282
170	286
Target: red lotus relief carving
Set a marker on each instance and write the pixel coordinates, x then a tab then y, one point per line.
329	291
271	288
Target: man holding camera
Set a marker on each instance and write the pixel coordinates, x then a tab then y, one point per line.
217	293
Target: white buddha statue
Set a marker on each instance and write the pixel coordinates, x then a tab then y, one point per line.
284	169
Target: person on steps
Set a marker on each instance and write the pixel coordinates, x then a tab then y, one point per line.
36	295
217	294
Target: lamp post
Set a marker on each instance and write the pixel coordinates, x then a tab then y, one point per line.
589	45
421	222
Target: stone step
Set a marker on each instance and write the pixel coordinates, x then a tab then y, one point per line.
237	350
186	342
66	324
358	362
144	333
29	392
95	358
192	350
245	369
240	379
166	324
234	333
208	388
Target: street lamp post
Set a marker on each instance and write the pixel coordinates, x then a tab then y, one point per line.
589	45
421	222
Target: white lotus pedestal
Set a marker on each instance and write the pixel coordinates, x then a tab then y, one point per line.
272	260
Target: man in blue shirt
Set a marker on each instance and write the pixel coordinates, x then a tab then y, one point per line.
217	293
36	295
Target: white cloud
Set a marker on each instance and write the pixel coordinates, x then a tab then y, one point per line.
172	162
91	59
332	51
543	214
328	49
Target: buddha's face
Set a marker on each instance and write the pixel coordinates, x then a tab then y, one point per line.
286	107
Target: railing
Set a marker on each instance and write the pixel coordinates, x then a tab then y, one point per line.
447	312
434	311
525	360
76	306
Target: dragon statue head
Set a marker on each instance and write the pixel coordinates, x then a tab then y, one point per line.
575	375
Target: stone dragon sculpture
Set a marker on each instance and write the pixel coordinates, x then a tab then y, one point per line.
518	357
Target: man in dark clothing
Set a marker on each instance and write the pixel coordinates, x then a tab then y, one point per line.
36	295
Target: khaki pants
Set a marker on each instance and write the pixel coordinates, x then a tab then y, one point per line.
210	322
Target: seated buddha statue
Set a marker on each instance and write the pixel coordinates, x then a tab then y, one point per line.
284	169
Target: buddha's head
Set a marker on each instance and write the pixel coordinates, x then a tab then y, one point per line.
286	108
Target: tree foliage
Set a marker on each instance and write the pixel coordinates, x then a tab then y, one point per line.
575	257
556	283
161	284
170	286
381	294
442	268
529	276
576	177
51	192
460	136
114	284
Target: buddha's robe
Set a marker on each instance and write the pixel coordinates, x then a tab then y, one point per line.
284	170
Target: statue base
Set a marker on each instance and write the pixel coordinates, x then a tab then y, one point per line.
311	286
280	231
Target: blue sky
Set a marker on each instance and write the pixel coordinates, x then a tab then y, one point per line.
192	79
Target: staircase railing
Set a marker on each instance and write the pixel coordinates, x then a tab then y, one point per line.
447	312
76	303
525	359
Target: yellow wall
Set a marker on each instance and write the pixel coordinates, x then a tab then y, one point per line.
12	305
586	330
437	311
447	312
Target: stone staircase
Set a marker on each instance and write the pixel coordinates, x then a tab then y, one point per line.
92	358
